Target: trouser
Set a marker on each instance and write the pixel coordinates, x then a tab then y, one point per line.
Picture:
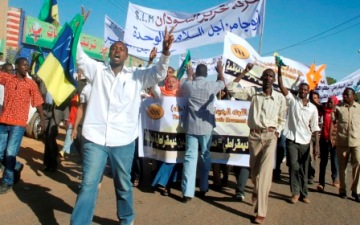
94	161
344	154
10	141
325	149
241	175
262	152
190	163
298	162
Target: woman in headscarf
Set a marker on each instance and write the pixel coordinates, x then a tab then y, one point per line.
167	172
327	144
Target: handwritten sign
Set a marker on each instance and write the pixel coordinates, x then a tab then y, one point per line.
145	26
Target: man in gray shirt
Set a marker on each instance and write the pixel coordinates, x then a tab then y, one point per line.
199	123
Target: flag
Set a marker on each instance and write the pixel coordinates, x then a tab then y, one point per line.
37	60
49	12
183	66
57	71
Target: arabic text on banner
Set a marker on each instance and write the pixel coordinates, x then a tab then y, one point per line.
162	137
145	26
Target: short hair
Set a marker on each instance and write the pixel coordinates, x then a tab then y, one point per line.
304	84
351	89
201	70
18	60
126	48
6	64
266	72
171	68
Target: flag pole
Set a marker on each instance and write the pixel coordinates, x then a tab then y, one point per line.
262	29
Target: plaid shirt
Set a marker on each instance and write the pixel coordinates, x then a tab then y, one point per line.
200	118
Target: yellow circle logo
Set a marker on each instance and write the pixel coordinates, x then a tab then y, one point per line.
240	52
155	111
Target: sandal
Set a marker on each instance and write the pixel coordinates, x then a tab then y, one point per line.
136	183
164	191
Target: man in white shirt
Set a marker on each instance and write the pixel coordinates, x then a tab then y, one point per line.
111	125
301	123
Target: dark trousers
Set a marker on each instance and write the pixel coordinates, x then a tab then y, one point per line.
325	149
242	175
137	165
52	120
298	162
280	153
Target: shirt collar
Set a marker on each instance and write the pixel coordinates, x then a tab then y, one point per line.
272	95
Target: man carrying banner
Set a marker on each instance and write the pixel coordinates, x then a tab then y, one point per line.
266	119
302	122
111	123
199	123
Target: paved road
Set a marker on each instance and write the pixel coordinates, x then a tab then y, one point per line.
48	198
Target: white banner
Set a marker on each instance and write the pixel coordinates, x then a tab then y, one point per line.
113	32
238	53
162	137
145	26
339	87
211	63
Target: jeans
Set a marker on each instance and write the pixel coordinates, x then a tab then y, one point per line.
10	140
94	161
69	146
191	158
325	148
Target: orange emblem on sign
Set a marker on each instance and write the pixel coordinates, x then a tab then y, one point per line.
240	51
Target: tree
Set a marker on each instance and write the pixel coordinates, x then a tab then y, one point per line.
330	80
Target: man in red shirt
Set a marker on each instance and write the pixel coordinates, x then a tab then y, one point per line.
20	92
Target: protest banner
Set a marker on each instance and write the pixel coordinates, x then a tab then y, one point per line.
162	136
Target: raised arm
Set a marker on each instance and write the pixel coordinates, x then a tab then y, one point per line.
219	69
152	56
283	89
249	66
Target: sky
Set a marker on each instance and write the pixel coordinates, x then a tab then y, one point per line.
288	29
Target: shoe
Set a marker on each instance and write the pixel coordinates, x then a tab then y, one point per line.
320	188
239	196
4	188
216	187
305	200
186	199
254	199
164	191
50	169
294	199
17	174
355	196
311	180
336	183
202	194
136	183
259	220
342	195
